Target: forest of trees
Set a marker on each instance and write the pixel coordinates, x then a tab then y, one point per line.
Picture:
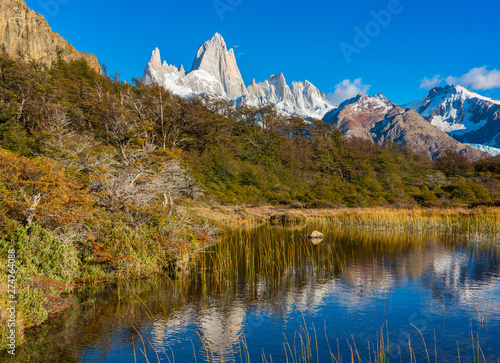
95	172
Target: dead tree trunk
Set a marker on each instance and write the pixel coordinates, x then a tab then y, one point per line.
32	209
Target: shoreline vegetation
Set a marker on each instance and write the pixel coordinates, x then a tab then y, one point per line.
102	179
481	223
463	220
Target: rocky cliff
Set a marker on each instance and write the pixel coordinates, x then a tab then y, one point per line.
26	34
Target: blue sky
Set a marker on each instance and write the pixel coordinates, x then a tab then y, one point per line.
304	40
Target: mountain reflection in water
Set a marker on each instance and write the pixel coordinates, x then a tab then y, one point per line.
261	289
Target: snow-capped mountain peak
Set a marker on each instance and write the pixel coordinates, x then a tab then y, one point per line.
381	97
464	114
156	69
377	119
377	106
177	81
215	71
301	98
155	60
464	93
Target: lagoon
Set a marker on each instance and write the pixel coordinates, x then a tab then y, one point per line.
267	294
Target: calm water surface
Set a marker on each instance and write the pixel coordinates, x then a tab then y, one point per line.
269	294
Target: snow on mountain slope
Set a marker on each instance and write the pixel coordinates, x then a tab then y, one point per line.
215	72
493	151
301	98
465	115
353	115
177	81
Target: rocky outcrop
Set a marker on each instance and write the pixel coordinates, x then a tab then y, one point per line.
463	114
316	234
381	121
26	34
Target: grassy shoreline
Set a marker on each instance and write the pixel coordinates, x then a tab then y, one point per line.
484	220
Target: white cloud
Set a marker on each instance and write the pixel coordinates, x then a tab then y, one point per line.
478	79
452	80
427	84
347	89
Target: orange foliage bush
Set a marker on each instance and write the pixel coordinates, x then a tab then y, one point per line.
62	201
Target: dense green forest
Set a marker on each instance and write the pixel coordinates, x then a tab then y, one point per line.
96	174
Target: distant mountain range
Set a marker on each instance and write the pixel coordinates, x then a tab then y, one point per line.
449	117
379	120
214	71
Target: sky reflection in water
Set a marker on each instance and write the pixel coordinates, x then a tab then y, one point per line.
377	285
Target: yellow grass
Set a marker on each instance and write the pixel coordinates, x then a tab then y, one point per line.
481	221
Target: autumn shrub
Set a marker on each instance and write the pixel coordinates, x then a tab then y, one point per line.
488	165
118	249
38	189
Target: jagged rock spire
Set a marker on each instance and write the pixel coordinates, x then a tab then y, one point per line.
155	60
214	58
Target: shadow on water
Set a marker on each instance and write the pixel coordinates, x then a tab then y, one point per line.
362	296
